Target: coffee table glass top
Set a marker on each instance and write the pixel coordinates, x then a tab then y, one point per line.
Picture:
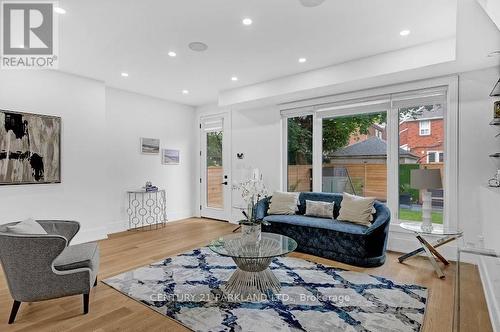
437	229
270	245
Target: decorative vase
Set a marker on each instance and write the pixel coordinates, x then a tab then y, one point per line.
250	233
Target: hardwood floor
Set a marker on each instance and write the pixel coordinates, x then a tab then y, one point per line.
112	311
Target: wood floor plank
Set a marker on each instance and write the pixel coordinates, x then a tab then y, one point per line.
112	311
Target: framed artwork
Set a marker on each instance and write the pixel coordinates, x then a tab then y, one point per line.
150	145
30	148
170	157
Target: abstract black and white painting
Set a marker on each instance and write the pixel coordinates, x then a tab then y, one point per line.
29	148
170	157
150	145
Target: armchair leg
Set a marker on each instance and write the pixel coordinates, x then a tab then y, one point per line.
13	312
85	304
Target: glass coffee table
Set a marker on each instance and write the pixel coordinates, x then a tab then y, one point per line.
253	276
445	235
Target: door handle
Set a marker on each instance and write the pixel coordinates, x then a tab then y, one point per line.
224	183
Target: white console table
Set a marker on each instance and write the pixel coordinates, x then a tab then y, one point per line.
146	209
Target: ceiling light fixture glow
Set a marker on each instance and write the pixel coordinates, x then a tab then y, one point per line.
185	92
59	10
404	32
247	21
234	78
302	60
172	54
124	74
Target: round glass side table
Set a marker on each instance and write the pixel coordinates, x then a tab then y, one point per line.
445	234
253	276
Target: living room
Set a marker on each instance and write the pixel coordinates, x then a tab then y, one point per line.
228	165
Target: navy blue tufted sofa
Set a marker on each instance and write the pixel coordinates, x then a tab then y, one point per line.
331	238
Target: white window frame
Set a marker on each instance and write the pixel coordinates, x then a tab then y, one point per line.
436	157
450	83
421	128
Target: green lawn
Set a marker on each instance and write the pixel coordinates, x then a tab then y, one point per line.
407	214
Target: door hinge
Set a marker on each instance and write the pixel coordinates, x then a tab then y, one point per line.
200	207
200	153
200	180
200	125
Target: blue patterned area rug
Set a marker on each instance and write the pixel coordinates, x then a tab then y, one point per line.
313	297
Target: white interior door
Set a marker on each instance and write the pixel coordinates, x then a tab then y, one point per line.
215	182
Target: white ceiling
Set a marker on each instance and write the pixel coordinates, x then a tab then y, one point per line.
102	38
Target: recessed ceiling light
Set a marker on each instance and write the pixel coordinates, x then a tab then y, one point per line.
185	92
247	21
124	74
302	60
198	46
172	54
404	32
234	78
59	10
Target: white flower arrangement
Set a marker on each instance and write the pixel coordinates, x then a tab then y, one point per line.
252	190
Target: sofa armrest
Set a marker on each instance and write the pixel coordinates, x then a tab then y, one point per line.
261	208
382	219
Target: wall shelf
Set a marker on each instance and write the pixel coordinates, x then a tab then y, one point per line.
495	155
495	122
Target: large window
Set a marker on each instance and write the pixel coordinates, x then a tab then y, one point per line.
371	147
355	155
423	149
299	153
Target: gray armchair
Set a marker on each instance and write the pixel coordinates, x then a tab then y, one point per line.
42	267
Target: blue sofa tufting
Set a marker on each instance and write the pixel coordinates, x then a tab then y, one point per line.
331	238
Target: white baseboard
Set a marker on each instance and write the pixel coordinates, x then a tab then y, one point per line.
487	271
90	235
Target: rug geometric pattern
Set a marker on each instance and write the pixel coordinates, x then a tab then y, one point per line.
313	297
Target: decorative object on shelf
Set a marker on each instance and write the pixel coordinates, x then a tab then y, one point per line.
170	157
252	190
425	179
148	187
146	208
150	145
496	90
495	181
496	110
30	148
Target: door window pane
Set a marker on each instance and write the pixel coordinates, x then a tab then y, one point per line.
355	155
299	153
214	170
421	144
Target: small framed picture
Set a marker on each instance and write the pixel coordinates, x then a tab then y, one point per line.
150	145
170	157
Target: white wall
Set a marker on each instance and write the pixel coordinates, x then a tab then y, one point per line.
130	116
100	154
82	194
476	141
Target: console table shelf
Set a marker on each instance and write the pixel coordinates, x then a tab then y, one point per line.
146	209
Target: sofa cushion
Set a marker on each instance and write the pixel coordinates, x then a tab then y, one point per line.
319	197
330	224
83	255
357	209
319	209
283	203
